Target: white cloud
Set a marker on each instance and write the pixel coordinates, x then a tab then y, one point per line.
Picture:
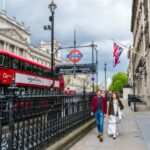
109	81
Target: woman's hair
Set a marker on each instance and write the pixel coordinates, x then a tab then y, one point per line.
99	90
117	95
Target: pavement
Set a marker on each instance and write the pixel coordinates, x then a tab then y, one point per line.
134	133
143	120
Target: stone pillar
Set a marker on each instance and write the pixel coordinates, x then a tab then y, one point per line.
8	47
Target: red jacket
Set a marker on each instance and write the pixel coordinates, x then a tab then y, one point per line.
94	104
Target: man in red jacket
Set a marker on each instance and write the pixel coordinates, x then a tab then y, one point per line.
99	108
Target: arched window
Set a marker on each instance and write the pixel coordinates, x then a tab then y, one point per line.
11	48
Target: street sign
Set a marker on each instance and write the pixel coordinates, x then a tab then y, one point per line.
78	68
93	78
74	56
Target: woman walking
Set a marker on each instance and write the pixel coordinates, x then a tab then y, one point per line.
115	114
99	108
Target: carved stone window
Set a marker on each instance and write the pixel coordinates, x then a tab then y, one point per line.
11	48
1	44
21	52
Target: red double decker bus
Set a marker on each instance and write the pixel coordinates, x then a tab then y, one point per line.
27	74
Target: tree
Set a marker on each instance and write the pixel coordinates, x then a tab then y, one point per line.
118	81
96	87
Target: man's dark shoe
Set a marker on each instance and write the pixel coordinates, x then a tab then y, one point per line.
98	136
101	138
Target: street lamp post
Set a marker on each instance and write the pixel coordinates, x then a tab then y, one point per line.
96	66
52	6
133	84
105	75
93	63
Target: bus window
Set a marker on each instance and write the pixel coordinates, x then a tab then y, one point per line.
16	64
46	73
1	60
35	70
57	76
24	66
42	71
29	68
39	70
7	62
49	73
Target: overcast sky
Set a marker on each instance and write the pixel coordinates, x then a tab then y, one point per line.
94	20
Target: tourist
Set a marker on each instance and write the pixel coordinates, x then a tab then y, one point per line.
115	115
99	108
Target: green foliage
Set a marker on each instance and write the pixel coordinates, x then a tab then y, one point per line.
118	81
96	87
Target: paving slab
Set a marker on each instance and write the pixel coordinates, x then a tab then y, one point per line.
143	121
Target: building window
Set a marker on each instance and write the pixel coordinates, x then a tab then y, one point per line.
11	48
1	60
20	52
1	44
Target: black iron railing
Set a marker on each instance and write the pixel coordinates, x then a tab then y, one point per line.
36	121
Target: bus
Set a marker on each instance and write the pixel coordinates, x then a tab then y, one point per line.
31	76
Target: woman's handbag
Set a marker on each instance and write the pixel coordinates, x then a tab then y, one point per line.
120	114
112	122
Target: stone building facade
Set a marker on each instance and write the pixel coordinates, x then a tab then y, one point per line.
15	38
78	83
138	54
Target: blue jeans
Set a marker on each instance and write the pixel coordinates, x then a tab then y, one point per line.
99	121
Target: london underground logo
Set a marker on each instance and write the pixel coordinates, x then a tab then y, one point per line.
74	56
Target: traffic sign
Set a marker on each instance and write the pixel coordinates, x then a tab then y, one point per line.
78	68
74	56
93	78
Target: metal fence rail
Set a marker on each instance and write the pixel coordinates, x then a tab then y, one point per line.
35	121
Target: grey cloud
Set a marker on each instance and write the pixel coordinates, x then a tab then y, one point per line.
98	20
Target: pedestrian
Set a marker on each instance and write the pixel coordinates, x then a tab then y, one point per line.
115	114
67	91
99	108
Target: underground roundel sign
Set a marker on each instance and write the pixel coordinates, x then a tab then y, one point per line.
74	55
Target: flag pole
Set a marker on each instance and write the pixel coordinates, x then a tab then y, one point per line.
120	44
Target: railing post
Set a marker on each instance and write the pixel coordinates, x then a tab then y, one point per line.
84	104
1	120
11	97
